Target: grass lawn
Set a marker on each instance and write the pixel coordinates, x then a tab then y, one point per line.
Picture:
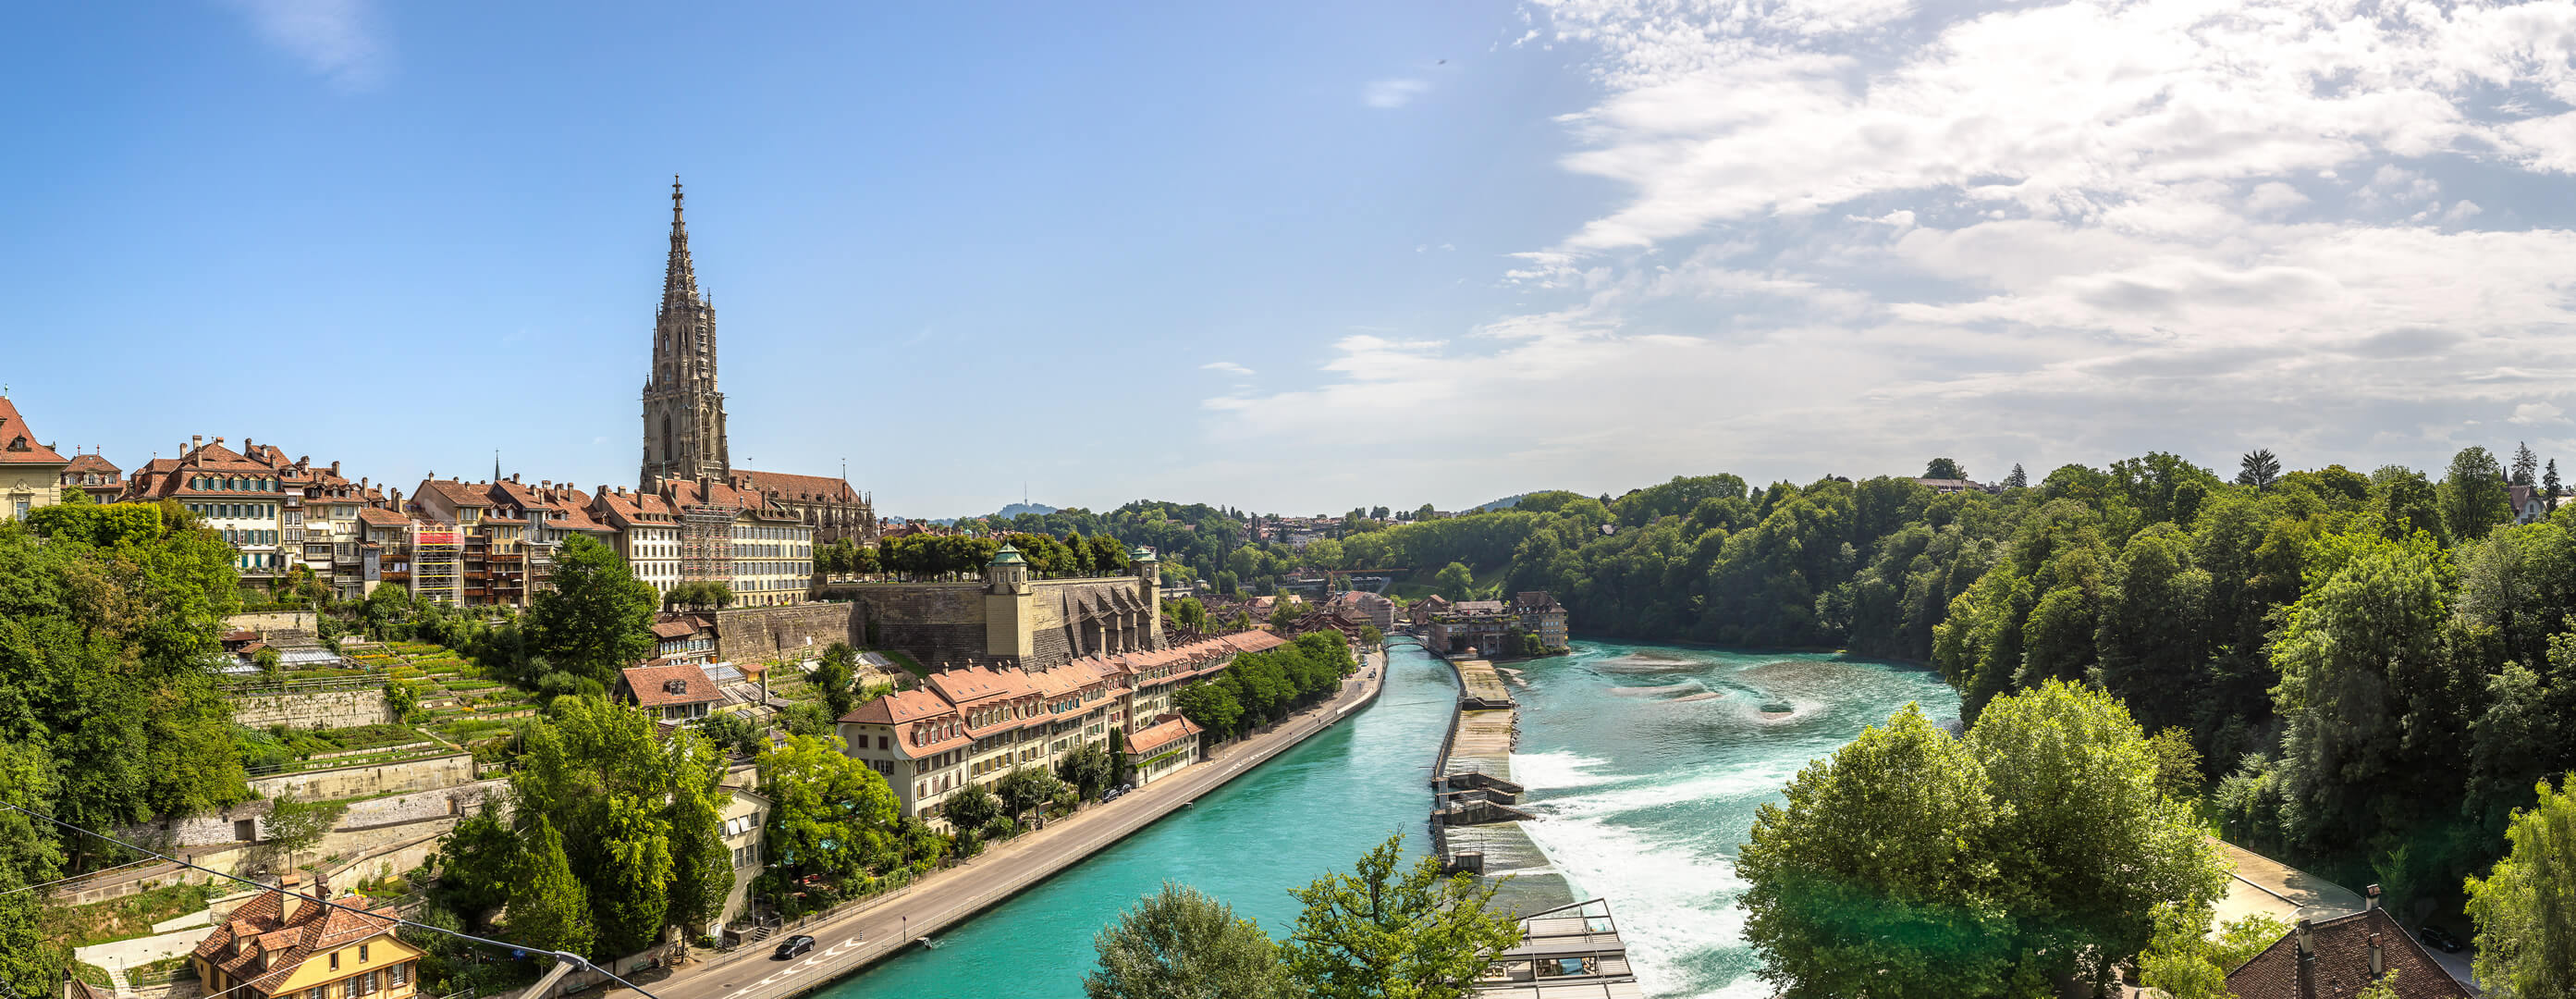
120	918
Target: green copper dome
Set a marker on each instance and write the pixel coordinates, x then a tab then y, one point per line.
1008	556
1141	554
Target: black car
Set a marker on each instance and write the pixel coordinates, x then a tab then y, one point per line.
2435	936
792	946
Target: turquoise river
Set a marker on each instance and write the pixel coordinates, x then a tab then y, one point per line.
1645	762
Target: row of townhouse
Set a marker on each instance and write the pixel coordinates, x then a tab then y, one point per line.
973	724
455	542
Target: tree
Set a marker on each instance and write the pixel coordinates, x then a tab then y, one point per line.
2473	498
1918	914
639	813
1087	768
1211	706
2549	485
1377	933
1181	944
2177	763
830	814
1454	581
2525	464
597	619
549	910
1025	788
272	665
2187	964
296	826
2345	653
970	807
2259	469
2018	479
1371	637
732	731
403	703
1944	468
1119	766
835	675
2526	925
1286	612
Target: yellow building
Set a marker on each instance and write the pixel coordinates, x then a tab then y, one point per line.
286	946
31	472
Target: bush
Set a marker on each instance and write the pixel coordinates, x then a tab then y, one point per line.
1000	828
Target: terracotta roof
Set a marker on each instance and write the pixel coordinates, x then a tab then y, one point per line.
966	685
92	463
454	492
1173	728
18	445
685	493
648	685
797	488
673	629
381	517
628	509
2342	966
312	929
898	708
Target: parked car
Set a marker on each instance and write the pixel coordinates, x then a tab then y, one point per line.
2435	936
792	946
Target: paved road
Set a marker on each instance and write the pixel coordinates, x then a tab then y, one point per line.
871	933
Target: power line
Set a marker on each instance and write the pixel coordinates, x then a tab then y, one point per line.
396	920
74	877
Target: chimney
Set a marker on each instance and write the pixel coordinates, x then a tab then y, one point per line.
2378	959
289	902
2370	898
196	441
2307	963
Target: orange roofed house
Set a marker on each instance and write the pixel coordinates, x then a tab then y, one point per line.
30	472
291	947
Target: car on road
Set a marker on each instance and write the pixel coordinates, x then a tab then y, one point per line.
2435	936
792	946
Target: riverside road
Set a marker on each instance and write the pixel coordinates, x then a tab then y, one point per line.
863	936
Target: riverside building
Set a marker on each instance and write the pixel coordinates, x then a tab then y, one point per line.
972	724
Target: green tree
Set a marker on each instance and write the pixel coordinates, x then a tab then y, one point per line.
970	807
835	676
2524	910
1381	933
2017	479
830	814
1455	581
1921	912
597	619
2187	963
2526	465
1087	768
2473	498
1371	637
294	827
1181	944
2406	502
1944	468
1026	788
2258	469
2549	485
638	814
1286	612
272	665
2345	653
548	908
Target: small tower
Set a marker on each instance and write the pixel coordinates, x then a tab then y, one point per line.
1010	612
1149	585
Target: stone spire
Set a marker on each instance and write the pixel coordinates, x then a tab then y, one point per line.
684	416
680	276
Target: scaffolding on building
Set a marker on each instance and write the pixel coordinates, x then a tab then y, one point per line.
434	573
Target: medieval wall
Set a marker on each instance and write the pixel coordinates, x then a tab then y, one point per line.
329	709
774	634
933	622
427	774
263	621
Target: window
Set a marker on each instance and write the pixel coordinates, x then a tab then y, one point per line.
362	953
394	975
362	984
335	960
318	992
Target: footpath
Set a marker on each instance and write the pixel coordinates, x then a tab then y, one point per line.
877	929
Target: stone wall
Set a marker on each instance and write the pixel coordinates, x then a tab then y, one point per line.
782	634
329	709
427	774
934	622
303	621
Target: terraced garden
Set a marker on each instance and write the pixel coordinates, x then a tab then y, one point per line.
457	705
462	703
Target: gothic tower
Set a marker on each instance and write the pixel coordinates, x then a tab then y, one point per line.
684	415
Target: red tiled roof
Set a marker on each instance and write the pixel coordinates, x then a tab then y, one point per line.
455	493
2343	962
797	488
381	517
312	929
966	685
1173	728
92	463
18	445
673	629
646	684
898	708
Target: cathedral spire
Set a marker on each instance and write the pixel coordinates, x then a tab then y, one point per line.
680	276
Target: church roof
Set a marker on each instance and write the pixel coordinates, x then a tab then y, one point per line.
797	488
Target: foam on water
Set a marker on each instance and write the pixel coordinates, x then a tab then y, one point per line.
1675	904
1562	768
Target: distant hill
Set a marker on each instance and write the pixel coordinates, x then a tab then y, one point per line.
1504	503
1005	513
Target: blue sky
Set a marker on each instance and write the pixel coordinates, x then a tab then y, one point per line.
1287	257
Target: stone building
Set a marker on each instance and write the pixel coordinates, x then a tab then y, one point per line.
684	421
1009	617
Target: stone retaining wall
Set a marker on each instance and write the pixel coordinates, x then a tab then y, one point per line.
426	774
331	709
776	634
933	622
304	621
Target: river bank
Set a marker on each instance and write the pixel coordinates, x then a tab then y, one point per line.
889	926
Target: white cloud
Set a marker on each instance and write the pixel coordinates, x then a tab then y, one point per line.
1393	93
333	38
2535	413
1229	367
1854	232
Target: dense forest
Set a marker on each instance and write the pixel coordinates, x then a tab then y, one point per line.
2374	669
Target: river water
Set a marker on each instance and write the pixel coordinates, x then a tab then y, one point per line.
1646	763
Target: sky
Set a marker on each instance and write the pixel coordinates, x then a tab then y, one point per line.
1299	257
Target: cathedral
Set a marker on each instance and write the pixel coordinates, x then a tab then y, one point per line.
684	420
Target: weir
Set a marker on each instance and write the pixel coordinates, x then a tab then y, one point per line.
1475	813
